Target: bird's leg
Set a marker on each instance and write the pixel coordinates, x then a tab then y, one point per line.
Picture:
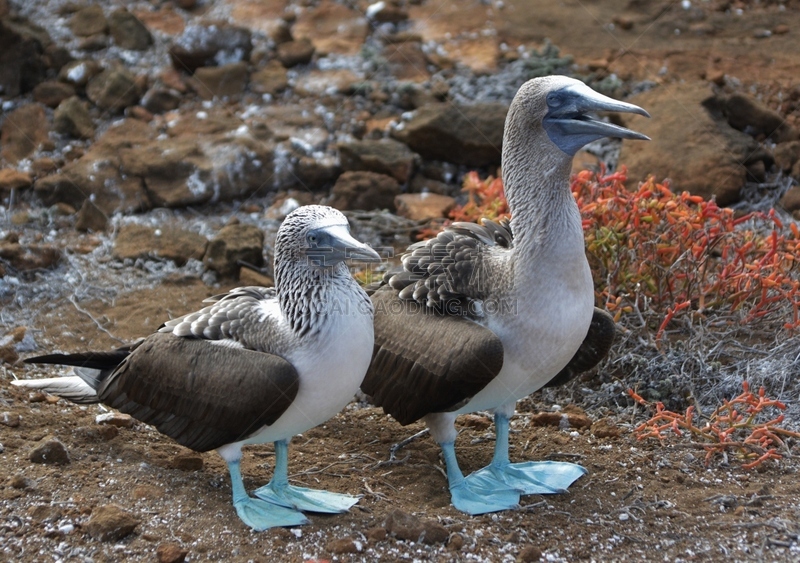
471	499
531	477
258	514
279	491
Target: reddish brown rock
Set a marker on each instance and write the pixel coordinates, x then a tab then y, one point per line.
364	190
695	150
24	130
332	28
272	79
233	245
88	21
71	118
293	53
138	241
29	256
220	81
52	92
343	545
111	523
170	553
50	451
11	179
91	218
423	207
606	428
113	89
385	156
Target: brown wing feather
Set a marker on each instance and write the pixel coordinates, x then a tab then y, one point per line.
438	363
594	348
173	383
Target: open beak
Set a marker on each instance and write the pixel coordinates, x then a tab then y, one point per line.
569	125
335	244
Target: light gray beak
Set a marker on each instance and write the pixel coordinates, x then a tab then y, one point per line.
569	125
331	245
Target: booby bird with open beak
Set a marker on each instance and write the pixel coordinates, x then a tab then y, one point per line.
479	319
258	365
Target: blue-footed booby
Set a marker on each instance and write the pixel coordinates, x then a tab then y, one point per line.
478	319
258	365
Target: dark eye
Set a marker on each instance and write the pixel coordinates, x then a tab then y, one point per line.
553	100
312	238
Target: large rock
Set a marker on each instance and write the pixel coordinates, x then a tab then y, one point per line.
751	116
128	32
272	79
11	179
385	156
52	92
364	190
220	81
234	244
207	45
23	131
110	523
88	21
139	241
332	28
22	65
50	451
699	152
470	134
72	118
293	53
113	89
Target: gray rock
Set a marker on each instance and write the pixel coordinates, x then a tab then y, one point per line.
698	152
110	523
88	21
139	241
72	118
50	451
52	92
91	218
113	89
385	156
222	81
364	190
234	244
204	45
470	134
128	32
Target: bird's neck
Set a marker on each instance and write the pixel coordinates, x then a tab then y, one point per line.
308	295
545	219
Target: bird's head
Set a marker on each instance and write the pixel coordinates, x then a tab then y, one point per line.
565	107
320	237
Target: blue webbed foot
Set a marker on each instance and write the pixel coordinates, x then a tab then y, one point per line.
478	500
529	478
302	498
261	515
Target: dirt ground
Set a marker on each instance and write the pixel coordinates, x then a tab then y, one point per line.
640	500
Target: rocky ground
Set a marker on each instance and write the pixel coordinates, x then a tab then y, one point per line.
148	154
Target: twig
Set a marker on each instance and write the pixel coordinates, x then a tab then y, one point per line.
94	320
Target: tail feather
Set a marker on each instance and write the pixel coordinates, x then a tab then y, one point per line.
92	360
72	388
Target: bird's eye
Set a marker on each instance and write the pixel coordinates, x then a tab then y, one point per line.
312	238
553	100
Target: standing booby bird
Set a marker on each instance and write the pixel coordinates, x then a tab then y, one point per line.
479	319
259	365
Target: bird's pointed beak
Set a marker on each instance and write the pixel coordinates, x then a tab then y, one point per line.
569	122
336	244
